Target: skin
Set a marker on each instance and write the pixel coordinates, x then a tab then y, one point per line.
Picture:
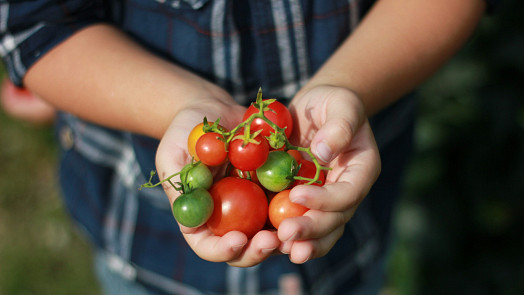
397	46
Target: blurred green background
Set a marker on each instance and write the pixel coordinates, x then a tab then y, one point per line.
459	226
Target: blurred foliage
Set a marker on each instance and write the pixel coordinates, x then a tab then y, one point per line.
460	224
458	228
40	251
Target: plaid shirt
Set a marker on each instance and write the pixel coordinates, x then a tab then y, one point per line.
241	45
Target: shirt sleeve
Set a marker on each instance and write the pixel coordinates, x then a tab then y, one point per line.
29	29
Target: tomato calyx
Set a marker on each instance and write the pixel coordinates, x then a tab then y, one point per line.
214	127
277	140
247	137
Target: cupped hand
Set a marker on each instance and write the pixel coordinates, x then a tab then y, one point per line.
234	247
331	120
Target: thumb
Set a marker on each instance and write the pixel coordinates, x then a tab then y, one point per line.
342	116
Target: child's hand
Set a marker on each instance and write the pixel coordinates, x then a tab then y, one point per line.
332	121
234	247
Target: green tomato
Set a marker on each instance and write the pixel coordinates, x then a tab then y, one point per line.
277	173
194	208
198	177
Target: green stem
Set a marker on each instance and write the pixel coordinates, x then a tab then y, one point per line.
184	187
149	184
229	135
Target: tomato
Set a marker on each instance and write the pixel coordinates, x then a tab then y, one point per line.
278	171
281	208
296	154
198	177
308	169
250	156
280	116
193	137
249	175
211	149
240	205
194	208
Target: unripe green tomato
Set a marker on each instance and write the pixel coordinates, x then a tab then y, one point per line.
277	173
198	177
193	209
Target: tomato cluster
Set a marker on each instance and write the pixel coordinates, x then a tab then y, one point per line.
262	168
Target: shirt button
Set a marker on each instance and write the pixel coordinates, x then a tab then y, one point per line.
66	138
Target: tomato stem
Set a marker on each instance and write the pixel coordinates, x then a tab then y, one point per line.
278	138
183	186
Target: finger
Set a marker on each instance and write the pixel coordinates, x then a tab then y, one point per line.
332	197
258	249
313	225
339	121
215	248
285	246
303	251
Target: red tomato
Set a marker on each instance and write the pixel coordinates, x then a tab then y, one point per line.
249	175
250	156
281	208
308	169
193	137
240	205
296	154
211	149
280	116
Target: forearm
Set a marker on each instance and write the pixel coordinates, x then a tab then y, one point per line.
102	76
398	45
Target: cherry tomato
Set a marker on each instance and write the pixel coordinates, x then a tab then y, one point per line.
308	169
240	205
280	116
249	175
198	177
278	171
194	208
211	149
250	156
193	137
281	208
296	154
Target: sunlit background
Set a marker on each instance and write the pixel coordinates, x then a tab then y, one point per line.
458	229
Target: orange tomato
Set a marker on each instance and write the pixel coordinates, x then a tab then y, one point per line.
281	208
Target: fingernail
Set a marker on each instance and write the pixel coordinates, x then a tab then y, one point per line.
307	259
237	247
285	247
292	237
323	152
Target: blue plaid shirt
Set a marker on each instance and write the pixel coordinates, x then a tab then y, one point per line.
241	45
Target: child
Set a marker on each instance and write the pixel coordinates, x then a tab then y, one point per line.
132	78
